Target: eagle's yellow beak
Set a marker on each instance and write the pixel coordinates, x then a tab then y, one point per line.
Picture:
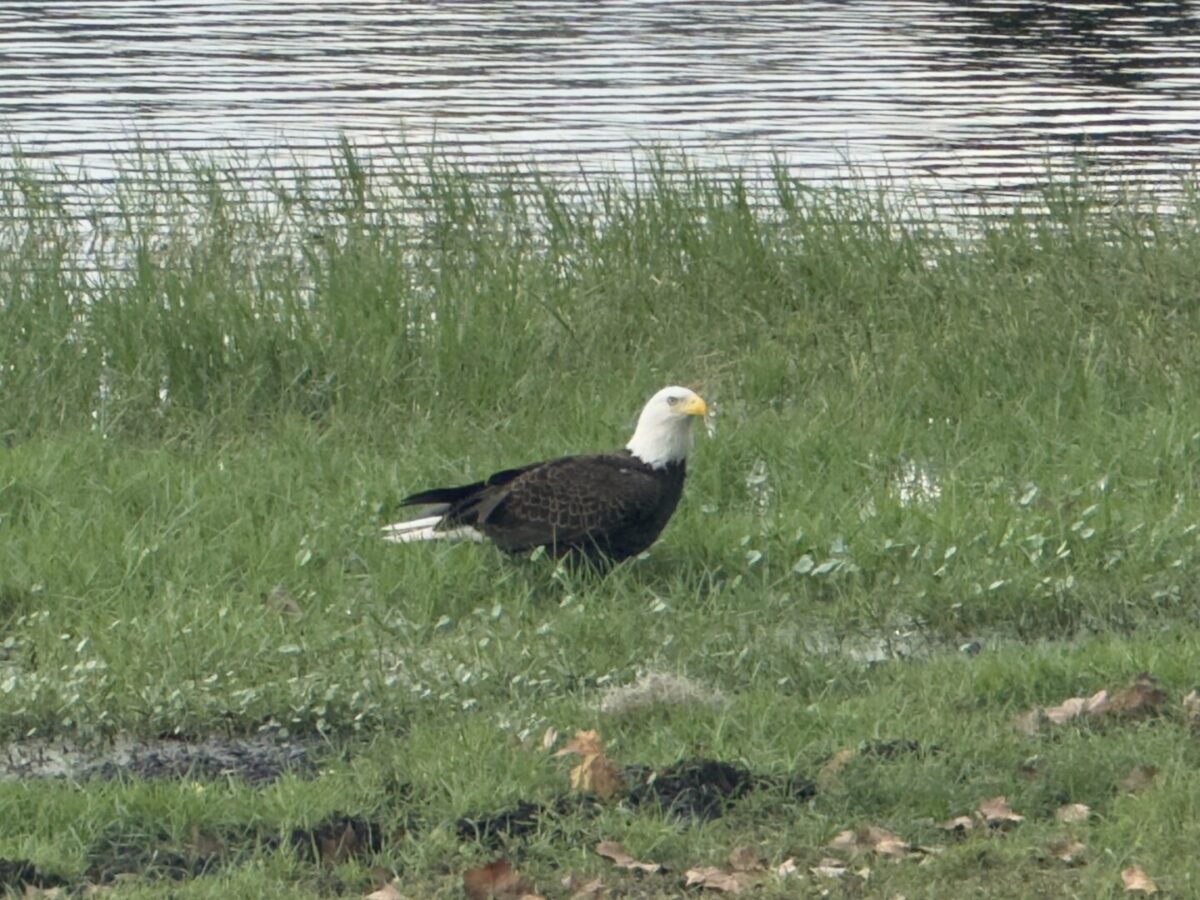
694	406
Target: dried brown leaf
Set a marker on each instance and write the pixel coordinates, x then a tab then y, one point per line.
592	889
585	743
1136	880
1191	709
1073	813
958	825
1074	707
550	738
787	867
997	813
888	844
1138	779
747	859
1141	700
497	880
829	868
595	773
714	879
871	839
613	851
848	841
388	892
1067	850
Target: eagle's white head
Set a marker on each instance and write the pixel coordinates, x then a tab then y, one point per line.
664	429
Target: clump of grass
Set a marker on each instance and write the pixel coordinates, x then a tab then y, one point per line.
655	690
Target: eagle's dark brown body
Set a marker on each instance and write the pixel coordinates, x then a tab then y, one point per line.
602	507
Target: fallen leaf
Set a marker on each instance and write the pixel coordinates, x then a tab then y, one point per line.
496	881
714	879
593	889
871	839
1136	880
387	892
622	860
787	867
747	859
1077	706
595	773
585	743
1138	779
1142	699
1191	710
958	825
829	868
1067	850
1072	813
550	738
827	775
997	813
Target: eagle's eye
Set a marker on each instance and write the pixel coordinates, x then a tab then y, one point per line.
671	401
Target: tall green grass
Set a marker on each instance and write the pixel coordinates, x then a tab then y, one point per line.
248	300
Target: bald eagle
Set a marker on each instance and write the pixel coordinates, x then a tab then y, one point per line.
601	508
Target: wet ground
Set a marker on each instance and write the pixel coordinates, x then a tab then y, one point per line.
690	791
694	790
156	855
258	760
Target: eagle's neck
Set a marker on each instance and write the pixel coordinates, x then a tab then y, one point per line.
660	443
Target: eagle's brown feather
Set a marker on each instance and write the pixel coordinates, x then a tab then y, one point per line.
601	506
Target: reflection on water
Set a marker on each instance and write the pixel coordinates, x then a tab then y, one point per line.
976	96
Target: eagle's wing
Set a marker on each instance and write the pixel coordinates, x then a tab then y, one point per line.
569	502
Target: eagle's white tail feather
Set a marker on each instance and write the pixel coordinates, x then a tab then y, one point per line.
425	529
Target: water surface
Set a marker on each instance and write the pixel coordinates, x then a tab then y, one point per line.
975	97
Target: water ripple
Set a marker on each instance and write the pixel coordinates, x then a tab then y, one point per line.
973	95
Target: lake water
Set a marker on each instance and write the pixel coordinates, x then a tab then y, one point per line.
975	98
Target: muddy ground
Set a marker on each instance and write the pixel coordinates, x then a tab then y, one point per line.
689	791
258	760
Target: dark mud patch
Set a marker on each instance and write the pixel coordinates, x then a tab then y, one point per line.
153	855
703	789
524	819
691	790
338	839
256	760
18	874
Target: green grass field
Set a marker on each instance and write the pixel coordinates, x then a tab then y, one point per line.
927	437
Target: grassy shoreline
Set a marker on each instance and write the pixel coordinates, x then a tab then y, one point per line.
204	430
